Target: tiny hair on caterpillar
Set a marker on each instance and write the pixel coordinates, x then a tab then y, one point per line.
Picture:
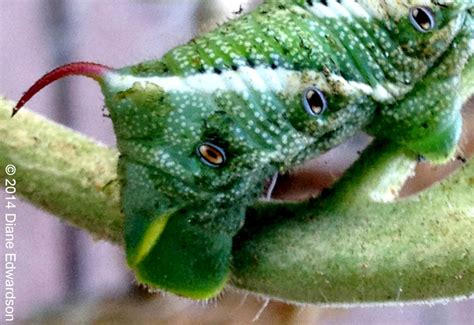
202	129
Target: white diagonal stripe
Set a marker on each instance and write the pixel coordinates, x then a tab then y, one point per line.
335	9
260	79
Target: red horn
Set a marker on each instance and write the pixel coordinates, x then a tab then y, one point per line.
87	69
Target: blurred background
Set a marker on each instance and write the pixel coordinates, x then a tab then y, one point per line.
63	275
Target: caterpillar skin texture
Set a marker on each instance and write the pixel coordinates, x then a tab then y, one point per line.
201	129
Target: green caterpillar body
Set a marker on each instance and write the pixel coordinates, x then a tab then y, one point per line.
200	130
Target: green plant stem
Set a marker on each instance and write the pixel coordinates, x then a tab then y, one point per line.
62	172
345	248
342	248
467	90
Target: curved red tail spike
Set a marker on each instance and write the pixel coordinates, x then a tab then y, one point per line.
87	69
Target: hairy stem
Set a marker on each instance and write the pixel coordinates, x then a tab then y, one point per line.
346	249
467	90
62	172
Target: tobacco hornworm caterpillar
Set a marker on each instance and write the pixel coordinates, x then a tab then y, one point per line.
201	129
